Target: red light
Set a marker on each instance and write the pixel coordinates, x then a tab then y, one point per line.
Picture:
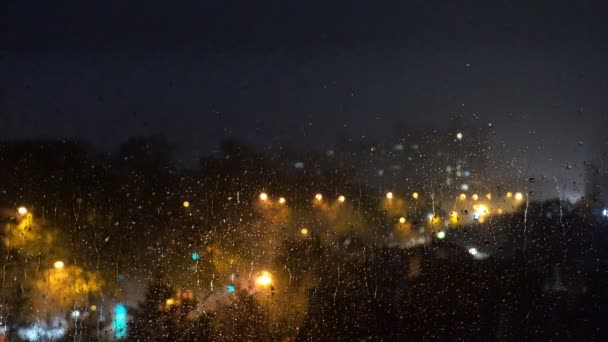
184	295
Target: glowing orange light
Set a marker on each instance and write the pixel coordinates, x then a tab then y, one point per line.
264	279
282	200
389	195
263	196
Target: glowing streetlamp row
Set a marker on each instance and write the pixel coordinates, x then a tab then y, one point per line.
518	196
318	197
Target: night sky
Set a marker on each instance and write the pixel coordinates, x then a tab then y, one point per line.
306	73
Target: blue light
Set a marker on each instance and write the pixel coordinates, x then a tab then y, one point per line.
230	288
195	256
119	325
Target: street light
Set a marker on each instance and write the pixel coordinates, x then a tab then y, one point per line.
22	210
282	200
58	264
341	198
263	196
463	196
415	195
402	219
389	195
318	197
264	279
509	194
186	204
475	197
304	231
519	196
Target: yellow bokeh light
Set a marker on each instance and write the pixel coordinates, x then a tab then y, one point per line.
519	196
454	217
170	301
500	211
341	198
22	210
389	195
415	195
58	264
482	210
93	307
186	204
304	231
489	196
463	197
475	197
282	200
318	197
509	194
264	279
263	196
402	219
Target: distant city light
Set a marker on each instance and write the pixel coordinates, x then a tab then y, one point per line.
22	210
430	216
473	251
464	187
264	279
489	196
519	196
230	288
93	307
341	198
75	314
500	211
304	231
605	212
480	211
463	197
441	235
453	217
170	301
186	204
282	200
509	194
119	324
263	196
415	195
402	219
318	197
475	197
389	195
195	256
459	136
58	264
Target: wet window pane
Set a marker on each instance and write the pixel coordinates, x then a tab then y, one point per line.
303	171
